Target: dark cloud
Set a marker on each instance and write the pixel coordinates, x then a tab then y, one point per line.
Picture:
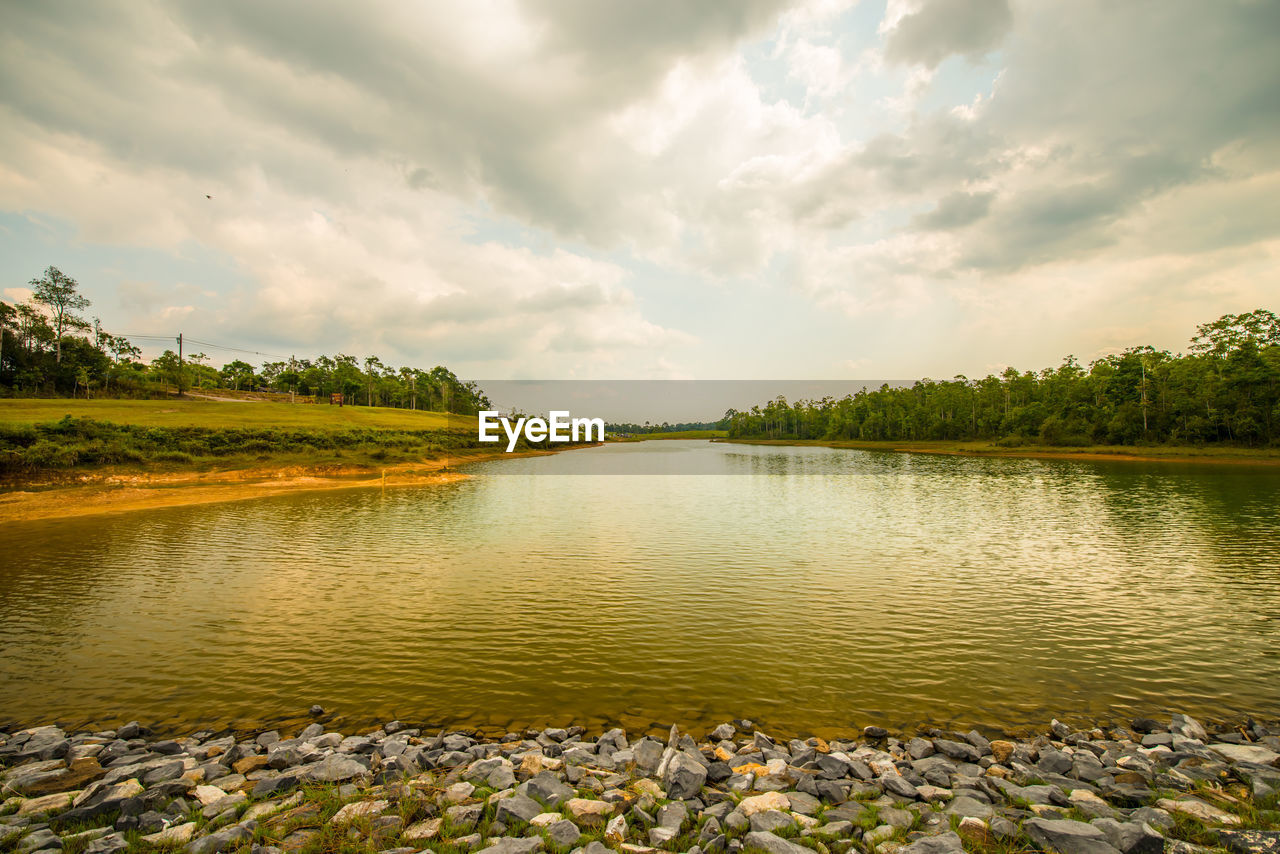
941	28
955	210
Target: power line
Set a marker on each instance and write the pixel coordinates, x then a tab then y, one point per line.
140	337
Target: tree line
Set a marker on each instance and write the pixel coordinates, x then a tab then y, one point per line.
48	347
1224	390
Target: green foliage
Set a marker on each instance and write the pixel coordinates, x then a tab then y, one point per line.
74	442
1226	391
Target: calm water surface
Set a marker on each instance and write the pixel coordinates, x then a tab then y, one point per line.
812	590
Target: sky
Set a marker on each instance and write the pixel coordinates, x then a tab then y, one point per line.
577	189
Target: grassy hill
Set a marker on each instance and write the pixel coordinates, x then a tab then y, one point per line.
237	414
40	439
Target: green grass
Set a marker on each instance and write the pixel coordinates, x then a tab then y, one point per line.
679	434
212	414
40	438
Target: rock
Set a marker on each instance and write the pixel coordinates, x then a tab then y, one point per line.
616	830
47	803
1188	727
1067	837
514	845
773	844
956	750
423	830
684	777
548	789
875	733
79	774
208	794
214	842
359	809
943	843
109	844
588	811
768	801
724	732
966	806
335	768
1199	810
895	784
316	710
564	833
770	821
1250	841
517	808
1001	750
40	840
1245	753
458	792
179	834
1132	837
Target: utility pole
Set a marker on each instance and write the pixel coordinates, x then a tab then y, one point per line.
179	377
413	391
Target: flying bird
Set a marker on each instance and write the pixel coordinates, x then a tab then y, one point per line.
207	196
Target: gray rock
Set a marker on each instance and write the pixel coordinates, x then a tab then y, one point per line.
1157	818
334	768
1067	837
215	842
803	803
895	817
514	845
109	844
1187	727
660	836
40	840
564	833
773	844
1130	837
1054	761
918	748
517	808
943	843
684	777
548	789
673	815
965	806
770	821
850	811
895	784
832	830
648	754
956	750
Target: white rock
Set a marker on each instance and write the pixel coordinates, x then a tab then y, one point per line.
768	801
428	829
1198	809
208	794
359	808
1245	753
179	834
45	803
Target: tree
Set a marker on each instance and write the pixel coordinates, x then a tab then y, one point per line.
60	294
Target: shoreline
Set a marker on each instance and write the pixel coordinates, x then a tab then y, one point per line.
979	450
1173	786
126	491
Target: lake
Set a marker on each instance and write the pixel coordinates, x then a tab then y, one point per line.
811	590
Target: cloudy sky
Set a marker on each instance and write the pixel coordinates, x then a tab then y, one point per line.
662	189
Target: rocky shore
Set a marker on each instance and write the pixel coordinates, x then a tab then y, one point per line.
1147	788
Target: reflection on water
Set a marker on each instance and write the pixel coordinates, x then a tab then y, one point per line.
815	591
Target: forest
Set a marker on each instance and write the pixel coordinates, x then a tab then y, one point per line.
48	348
1224	390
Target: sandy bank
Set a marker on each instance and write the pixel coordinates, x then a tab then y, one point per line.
124	491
